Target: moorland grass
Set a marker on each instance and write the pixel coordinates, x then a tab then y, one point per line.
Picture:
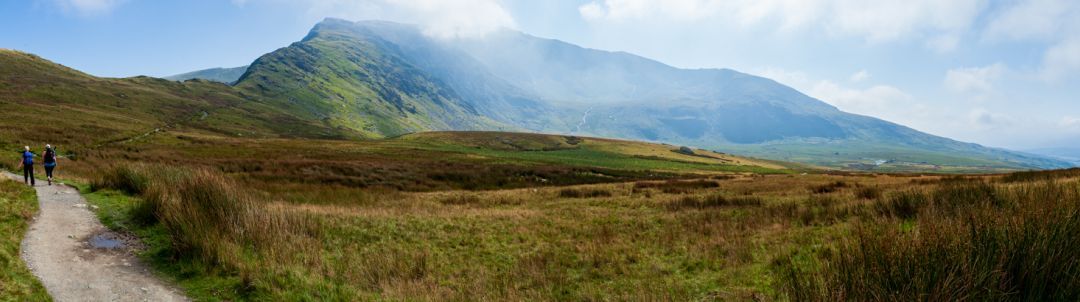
953	241
524	244
739	238
18	204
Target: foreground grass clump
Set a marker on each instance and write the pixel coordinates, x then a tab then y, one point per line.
221	230
125	178
18	203
955	241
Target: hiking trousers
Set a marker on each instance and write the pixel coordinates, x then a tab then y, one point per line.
28	174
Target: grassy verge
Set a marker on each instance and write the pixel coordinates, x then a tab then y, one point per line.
18	204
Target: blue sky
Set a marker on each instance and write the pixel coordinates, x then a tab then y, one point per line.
999	73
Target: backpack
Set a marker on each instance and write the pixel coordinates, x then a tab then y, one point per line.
50	156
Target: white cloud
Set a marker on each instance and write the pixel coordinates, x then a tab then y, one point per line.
1061	59
1070	122
943	43
637	9
875	21
1053	21
873	100
881	21
88	7
440	18
879	100
859	76
591	11
459	18
984	119
976	81
1033	19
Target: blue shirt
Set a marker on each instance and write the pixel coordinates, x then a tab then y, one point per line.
28	158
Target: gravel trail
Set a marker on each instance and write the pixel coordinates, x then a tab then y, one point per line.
78	259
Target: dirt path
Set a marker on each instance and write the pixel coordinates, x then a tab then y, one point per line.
78	259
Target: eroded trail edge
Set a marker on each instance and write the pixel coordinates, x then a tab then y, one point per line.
78	259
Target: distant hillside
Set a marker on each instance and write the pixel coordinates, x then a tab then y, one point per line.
1067	154
222	75
44	102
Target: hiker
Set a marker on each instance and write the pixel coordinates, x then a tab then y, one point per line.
28	166
49	161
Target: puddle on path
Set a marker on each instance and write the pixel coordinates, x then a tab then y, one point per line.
108	241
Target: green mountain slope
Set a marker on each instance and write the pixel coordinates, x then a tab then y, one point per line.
347	79
221	75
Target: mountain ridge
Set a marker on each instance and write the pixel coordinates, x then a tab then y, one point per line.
514	81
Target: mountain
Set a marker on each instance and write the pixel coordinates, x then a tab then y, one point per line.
376	79
221	75
349	77
367	75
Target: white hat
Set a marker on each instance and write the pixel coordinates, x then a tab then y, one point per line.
27	148
48	146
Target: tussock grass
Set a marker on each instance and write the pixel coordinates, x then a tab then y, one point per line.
953	241
126	178
209	219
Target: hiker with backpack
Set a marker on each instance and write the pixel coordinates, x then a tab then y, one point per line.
49	161
27	164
